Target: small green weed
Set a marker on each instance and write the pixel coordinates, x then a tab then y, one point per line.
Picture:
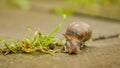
35	42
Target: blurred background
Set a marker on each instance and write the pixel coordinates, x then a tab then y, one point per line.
39	14
102	8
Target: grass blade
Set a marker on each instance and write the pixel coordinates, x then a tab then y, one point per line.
59	26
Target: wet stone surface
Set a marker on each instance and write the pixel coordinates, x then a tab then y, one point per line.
98	54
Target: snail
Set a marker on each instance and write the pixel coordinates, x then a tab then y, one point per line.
76	35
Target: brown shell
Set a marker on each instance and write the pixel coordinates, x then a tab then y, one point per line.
80	32
76	34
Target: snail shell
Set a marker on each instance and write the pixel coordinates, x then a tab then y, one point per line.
76	34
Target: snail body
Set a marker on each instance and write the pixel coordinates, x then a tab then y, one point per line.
76	35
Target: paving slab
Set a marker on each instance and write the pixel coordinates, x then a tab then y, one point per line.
13	23
99	54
